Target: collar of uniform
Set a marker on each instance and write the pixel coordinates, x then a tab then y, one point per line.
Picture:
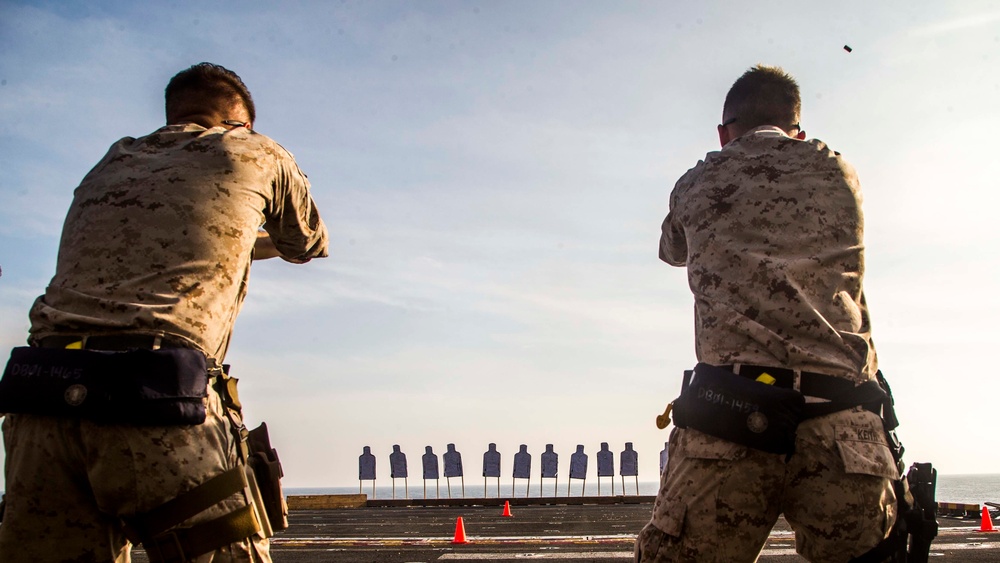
180	127
762	131
766	131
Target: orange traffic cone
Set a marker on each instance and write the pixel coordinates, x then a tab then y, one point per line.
459	532
506	508
987	522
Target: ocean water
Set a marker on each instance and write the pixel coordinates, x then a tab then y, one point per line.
972	489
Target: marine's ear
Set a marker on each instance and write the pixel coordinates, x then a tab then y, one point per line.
724	137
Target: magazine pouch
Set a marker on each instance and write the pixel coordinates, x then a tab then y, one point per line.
263	460
141	387
722	404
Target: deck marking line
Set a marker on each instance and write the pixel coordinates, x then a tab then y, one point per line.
521	556
477	539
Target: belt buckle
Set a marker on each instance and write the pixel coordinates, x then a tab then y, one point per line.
786	378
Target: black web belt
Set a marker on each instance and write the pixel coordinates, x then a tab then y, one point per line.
113	342
837	391
810	383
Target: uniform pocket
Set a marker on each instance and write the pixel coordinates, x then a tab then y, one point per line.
697	459
864	451
662	532
698	445
671	522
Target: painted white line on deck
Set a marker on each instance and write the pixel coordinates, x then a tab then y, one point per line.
512	556
962	546
585	555
472	539
934	547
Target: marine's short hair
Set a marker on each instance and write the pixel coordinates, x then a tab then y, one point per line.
205	84
764	95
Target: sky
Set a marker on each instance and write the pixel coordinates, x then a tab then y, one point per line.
494	176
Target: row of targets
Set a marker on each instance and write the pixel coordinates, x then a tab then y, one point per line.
521	468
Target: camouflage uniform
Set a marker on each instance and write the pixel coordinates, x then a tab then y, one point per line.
158	241
770	229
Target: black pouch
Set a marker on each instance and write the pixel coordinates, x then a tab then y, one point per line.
142	387
267	470
722	404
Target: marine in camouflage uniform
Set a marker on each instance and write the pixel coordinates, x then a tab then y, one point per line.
770	230
158	241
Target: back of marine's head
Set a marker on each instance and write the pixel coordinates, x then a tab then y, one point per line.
208	89
763	95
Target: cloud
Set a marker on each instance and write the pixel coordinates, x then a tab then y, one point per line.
956	25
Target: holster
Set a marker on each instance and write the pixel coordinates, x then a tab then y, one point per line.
256	476
256	453
721	404
140	387
916	525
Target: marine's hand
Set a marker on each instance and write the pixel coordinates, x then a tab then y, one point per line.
263	247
